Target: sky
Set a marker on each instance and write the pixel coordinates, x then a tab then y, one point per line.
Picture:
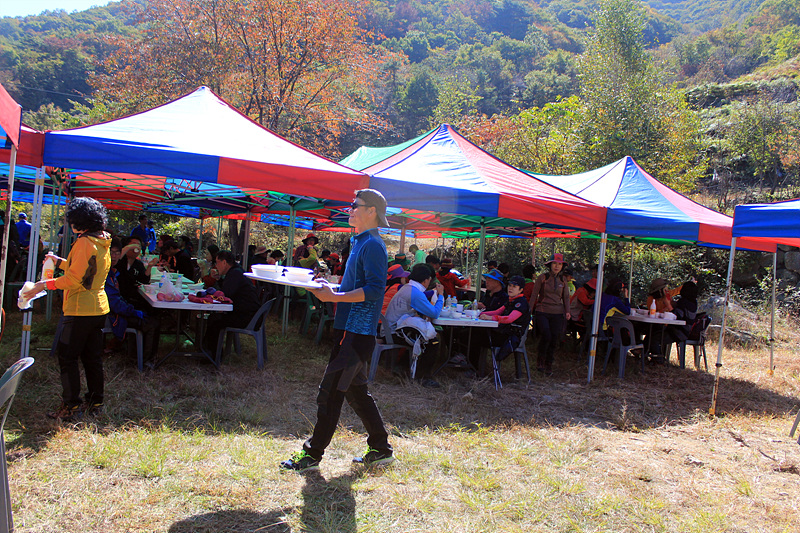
18	8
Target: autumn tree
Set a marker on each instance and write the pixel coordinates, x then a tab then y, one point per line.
303	68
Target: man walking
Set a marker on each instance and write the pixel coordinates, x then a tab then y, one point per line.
355	326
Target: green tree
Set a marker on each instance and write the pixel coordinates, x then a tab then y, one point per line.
627	106
420	97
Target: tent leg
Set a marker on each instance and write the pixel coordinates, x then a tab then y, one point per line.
200	238
289	255
630	271
481	248
403	238
245	253
713	410
33	256
596	308
772	315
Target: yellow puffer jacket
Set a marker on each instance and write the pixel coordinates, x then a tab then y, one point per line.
85	275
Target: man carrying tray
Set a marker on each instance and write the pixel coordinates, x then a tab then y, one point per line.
355	326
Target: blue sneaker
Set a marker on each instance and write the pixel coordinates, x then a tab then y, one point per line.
301	462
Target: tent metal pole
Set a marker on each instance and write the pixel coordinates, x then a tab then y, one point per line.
49	306
630	271
481	245
289	255
33	257
533	246
246	252
7	225
772	314
713	410
200	239
596	309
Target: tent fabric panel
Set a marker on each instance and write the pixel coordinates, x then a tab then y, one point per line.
108	155
439	198
29	151
10	116
773	220
332	185
366	156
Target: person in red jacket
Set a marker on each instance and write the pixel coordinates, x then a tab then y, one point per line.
449	280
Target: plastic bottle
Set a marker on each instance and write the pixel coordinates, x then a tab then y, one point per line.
162	281
48	268
653	308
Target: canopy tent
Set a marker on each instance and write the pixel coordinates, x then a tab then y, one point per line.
200	137
643	208
776	223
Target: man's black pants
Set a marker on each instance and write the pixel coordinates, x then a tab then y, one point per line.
346	378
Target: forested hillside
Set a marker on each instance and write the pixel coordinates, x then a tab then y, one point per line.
703	93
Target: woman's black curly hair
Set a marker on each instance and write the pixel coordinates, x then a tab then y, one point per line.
87	215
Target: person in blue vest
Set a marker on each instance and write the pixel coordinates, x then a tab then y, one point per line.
24	230
355	325
151	238
141	232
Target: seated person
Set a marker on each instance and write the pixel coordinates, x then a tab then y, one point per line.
396	277
275	258
582	300
409	300
305	255
495	296
131	271
260	256
177	261
514	317
449	280
124	315
663	297
614	301
685	309
529	273
569	279
239	289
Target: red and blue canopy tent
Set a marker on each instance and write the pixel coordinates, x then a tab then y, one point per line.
773	224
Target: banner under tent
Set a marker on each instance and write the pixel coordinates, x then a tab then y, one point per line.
774	223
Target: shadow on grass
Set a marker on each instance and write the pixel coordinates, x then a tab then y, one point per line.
186	395
234	521
329	504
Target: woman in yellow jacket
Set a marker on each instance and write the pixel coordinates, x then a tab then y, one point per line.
85	308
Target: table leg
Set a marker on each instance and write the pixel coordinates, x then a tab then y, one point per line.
177	349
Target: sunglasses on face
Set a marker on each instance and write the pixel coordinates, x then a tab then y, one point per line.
355	205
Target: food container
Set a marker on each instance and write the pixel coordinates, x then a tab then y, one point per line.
298	274
267	271
472	313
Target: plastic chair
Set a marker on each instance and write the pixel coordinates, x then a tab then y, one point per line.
699	345
388	344
255	328
520	356
314	308
586	316
8	388
620	324
108	329
327	316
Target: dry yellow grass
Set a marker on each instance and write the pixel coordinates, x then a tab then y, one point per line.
186	448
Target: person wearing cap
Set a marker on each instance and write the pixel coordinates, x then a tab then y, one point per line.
260	256
495	296
400	259
514	318
333	263
395	278
449	280
550	301
24	230
663	297
355	326
305	255
411	300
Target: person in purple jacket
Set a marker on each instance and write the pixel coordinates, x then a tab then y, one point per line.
355	325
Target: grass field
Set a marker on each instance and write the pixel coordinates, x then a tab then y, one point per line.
187	448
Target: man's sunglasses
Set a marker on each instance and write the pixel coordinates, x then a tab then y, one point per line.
355	205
